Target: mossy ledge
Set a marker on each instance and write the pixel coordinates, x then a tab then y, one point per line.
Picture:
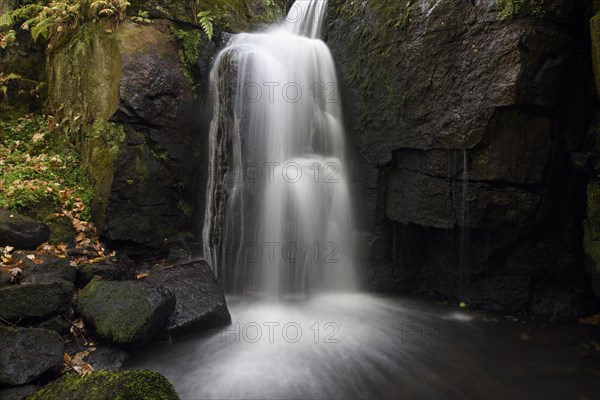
103	385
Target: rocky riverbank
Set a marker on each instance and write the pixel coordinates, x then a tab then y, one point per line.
74	308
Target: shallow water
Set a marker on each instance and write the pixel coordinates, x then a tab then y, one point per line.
364	346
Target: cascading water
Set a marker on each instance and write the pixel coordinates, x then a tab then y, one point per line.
340	345
279	216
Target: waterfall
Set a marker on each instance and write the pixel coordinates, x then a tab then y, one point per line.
279	217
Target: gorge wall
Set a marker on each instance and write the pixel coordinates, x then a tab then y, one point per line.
473	128
473	125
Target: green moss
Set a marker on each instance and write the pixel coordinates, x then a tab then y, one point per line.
186	208
595	32
61	229
116	322
189	50
237	16
189	46
508	9
591	226
42	172
103	385
102	145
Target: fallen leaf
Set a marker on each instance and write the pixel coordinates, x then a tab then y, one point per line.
79	323
525	336
592	320
141	276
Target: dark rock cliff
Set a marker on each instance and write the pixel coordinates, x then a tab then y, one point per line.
470	123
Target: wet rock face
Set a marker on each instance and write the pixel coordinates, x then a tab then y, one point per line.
21	232
462	120
153	187
26	354
200	299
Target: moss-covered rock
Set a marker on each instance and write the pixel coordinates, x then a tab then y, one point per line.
125	312
35	300
21	232
132	109
102	385
61	229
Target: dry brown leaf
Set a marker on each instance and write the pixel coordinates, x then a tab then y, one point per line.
79	323
141	276
592	320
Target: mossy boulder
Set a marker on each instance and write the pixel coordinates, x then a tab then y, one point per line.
37	300
21	232
102	385
126	312
27	353
61	229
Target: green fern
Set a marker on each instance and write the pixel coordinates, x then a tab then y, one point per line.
205	20
6	20
110	9
42	28
8	38
142	18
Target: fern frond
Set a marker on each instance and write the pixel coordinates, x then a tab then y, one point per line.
205	20
42	28
7	20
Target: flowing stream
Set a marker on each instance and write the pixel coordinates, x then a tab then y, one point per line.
279	235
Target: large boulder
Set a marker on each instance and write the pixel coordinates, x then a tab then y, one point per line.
139	126
102	385
37	300
127	312
26	354
200	299
21	232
